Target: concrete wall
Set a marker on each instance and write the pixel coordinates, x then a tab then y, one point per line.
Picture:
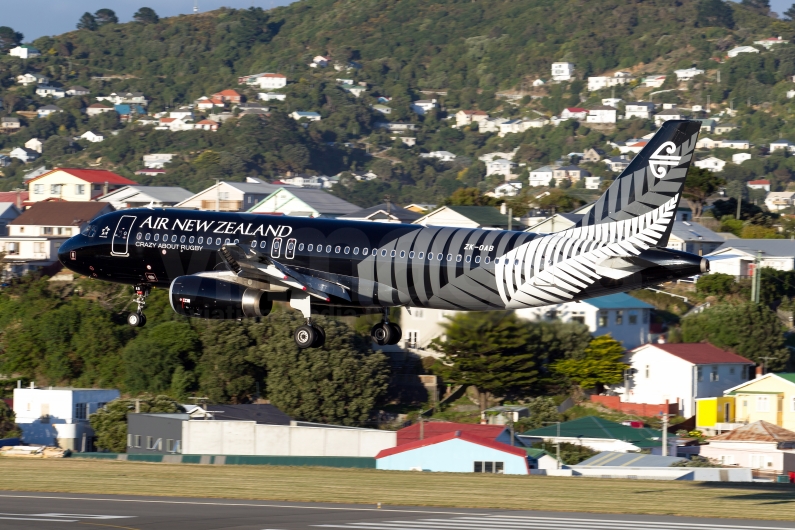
161	429
704	474
248	438
455	455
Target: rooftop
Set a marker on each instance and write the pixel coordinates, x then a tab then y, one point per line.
594	427
434	428
483	215
401	214
617	301
432	440
614	459
699	353
94	176
768	247
758	431
687	231
60	213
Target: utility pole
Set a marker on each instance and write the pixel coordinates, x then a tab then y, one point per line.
764	364
665	430
217	195
422	428
707	103
739	203
510	219
557	445
756	279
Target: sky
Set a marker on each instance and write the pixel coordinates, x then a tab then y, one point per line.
35	18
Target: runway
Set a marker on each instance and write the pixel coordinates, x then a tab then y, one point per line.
26	510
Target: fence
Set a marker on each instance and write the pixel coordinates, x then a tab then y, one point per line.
241	460
638	409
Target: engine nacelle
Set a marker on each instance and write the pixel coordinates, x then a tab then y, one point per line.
203	297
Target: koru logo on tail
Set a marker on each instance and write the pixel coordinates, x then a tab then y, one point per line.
659	162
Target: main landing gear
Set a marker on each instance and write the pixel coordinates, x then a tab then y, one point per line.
385	332
309	336
137	319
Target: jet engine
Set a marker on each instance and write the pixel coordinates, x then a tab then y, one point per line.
203	297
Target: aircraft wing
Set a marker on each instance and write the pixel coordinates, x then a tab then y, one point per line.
251	264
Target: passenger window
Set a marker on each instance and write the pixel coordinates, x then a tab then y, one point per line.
237	241
320	248
201	240
310	247
477	259
182	239
402	253
365	251
147	236
411	255
440	257
392	254
300	247
157	237
138	236
469	258
355	251
488	259
264	244
383	253
375	251
226	242
253	243
276	248
458	258
496	261
421	255
174	238
290	252
516	262
328	249
449	257
191	240
218	241
347	250
337	249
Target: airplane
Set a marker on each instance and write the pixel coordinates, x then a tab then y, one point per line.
220	265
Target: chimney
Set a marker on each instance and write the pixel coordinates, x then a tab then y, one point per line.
458	434
759	372
661	339
105	188
504	209
19	199
32	386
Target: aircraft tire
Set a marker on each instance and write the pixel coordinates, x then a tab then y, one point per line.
397	333
382	334
134	319
305	337
143	321
321	337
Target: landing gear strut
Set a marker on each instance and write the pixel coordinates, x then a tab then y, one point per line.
137	319
385	332
309	336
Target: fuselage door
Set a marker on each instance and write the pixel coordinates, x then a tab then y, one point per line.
276	247
289	252
121	236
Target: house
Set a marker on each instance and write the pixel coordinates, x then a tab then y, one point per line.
602	114
205	103
562	71
507	155
35	144
10	124
617	163
466	217
542	176
681	373
92	137
24	154
761	184
500	166
668	114
574	113
229	197
24	52
174	125
303	202
119	98
207	125
777	201
638	109
455	452
50	92
508	189
396	127
97	108
600	82
34	237
229	96
653	81
593	155
762	446
622	316
383	109
711	163
735	144
142	196
707	125
572	173
538	82
442	156
58	416
769	397
302	115
736	256
354	90
5	160
267	80
593	183
77	90
29	79
8	212
597	433
307	181
739	158
158	160
46	110
466	117
693	238
491	124
417	432
687	74
707	143
784	145
271	96
771	41
19	198
734	52
383	213
320	62
424	106
723	128
69	184
610	459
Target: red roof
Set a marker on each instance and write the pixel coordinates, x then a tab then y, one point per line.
274	75
99	106
207	122
11	196
450	436
761	182
576	109
94	176
167	120
435	428
702	353
227	92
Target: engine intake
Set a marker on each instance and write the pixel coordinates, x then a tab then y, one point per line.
203	297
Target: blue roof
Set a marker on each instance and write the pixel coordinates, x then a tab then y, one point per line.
618	301
127	109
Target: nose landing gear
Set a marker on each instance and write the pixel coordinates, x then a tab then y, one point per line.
137	319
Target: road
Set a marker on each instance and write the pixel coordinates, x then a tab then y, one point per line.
30	510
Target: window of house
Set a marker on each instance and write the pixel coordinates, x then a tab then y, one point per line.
81	410
713	374
46	230
762	404
579	320
792	406
137	440
602	319
699	374
170	447
633	319
55	189
416	313
129	440
645	317
40	248
80	189
488	467
38	189
731	370
619	317
148	442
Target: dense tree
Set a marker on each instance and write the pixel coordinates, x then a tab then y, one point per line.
470	197
699	185
9	38
110	422
543	411
146	15
760	6
8	427
106	16
87	21
751	330
226	373
715	13
600	365
150	360
717	284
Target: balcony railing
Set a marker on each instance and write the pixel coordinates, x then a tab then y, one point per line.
223	205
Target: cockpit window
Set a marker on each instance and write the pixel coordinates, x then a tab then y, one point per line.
89	230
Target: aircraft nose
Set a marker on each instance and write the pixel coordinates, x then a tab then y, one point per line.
68	251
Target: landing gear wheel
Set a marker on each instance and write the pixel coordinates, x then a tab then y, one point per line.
136	320
305	336
143	321
397	333
321	337
382	334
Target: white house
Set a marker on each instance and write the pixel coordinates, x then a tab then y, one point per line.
779	200
120	98
723	128
58	416
784	145
423	106
184	113
229	196
735	144
668	114
681	373
617	163
319	61
639	109
574	113
92	137
268	80
600	82
760	445
383	109
761	184
707	143
653	81
271	96
143	196
46	110
771	41
24	52
687	74
304	202
46	91
98	108
542	176
508	189
465	117
712	163
75	185
736	256
622	316
602	114
35	144
572	173
562	71
77	90
24	154
29	79
500	166
157	160
443	156
734	52
592	183
174	125
309	116
491	124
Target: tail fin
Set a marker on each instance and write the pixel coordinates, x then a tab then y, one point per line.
656	176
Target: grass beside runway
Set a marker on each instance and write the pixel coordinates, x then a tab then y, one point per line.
363	486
